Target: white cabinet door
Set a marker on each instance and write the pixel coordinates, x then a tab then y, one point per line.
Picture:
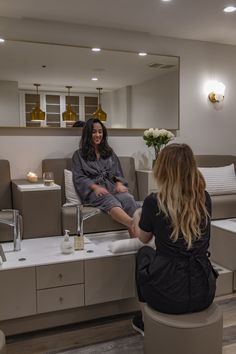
18	293
109	279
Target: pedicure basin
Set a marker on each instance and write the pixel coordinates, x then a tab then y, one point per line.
46	250
104	239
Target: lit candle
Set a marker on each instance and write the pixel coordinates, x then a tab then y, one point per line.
32	177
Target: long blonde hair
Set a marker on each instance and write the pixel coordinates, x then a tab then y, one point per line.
181	191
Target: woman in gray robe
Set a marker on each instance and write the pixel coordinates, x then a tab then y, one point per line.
98	177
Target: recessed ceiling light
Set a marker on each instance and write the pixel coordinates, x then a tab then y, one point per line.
166	0
2	40
230	9
96	49
142	54
94	79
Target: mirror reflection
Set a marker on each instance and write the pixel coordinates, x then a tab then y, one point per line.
136	91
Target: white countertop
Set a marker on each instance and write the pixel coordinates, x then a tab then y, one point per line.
46	250
225	224
37	187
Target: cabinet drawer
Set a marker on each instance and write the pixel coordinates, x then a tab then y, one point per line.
61	298
61	274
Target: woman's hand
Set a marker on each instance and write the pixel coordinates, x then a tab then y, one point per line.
120	188
99	190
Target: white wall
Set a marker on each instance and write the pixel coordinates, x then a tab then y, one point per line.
156	101
206	129
116	104
9	103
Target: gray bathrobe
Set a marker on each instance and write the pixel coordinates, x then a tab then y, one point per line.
105	172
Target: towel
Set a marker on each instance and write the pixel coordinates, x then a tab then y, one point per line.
129	245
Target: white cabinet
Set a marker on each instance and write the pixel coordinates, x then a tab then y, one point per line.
60	286
109	279
18	293
146	183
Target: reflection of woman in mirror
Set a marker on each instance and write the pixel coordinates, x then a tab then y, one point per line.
98	177
79	124
178	277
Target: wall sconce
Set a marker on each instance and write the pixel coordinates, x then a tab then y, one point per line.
216	91
37	115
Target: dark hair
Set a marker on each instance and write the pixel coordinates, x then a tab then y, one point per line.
86	145
78	124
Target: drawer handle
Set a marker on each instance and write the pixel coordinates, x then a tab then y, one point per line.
60	276
61	299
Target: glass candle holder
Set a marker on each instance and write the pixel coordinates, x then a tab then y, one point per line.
48	179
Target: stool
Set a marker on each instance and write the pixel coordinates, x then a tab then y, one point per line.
2	343
194	333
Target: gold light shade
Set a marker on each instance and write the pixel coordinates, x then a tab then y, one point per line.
99	113
37	115
69	115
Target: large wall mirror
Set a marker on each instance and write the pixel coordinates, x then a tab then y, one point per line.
137	91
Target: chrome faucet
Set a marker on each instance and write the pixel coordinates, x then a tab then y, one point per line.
2	254
83	214
15	223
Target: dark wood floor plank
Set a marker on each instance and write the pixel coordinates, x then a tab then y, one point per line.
107	330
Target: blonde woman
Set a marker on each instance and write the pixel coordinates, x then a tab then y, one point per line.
178	277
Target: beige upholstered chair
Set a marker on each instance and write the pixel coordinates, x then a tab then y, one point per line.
101	221
195	333
2	343
224	205
7	216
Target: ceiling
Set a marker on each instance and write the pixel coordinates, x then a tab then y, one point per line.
189	19
29	63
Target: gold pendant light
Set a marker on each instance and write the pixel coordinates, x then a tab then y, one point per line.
37	115
99	113
69	115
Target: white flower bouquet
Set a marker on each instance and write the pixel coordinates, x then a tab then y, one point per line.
157	138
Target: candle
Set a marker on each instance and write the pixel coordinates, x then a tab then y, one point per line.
32	177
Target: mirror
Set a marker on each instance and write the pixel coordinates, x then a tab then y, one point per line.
137	91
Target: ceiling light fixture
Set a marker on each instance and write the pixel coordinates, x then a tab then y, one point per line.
69	115
94	79
96	49
2	40
37	115
229	9
99	113
142	54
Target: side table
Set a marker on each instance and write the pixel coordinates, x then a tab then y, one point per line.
39	206
146	183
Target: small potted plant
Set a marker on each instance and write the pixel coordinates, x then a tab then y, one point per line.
157	138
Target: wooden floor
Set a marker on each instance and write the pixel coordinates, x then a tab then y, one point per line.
74	336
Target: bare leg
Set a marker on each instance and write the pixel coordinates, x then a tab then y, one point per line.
120	215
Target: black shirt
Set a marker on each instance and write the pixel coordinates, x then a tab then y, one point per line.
153	220
175	279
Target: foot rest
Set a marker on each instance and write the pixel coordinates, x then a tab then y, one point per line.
195	333
224	284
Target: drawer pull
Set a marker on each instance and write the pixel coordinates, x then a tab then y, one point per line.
61	299
60	276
